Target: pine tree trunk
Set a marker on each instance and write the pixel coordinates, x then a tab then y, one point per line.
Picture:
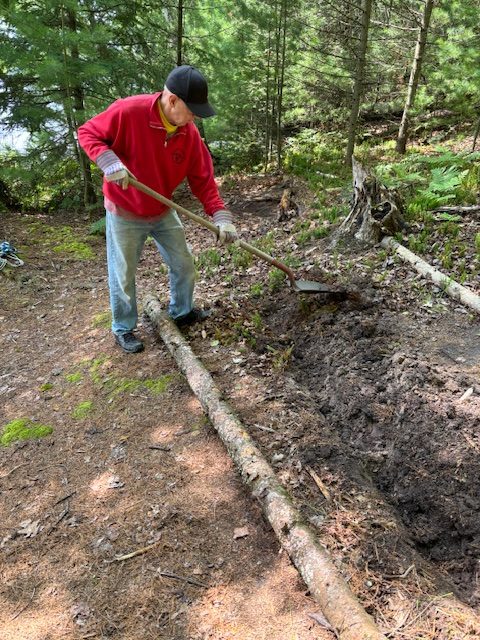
281	80
359	79
180	33
414	76
268	126
75	111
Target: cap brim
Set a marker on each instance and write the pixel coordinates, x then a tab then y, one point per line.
204	110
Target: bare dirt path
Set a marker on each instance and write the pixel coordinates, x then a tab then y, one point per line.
360	406
131	463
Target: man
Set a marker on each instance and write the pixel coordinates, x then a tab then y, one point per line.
153	138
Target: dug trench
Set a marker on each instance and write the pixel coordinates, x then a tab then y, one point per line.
387	422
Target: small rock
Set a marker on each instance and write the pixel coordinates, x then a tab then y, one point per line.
241	532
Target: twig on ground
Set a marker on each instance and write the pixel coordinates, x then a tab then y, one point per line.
400	575
138	552
174	576
159	447
5	475
259	426
65	498
64	513
319	483
27	605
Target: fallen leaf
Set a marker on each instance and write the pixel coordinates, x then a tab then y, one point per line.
28	528
323	622
115	483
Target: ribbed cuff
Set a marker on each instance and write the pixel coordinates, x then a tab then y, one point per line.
107	160
222	217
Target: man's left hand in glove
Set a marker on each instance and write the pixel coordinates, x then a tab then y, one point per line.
227	232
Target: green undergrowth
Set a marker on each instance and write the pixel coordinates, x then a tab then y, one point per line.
61	239
318	157
22	429
429	178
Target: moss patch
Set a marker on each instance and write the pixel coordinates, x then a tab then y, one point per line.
156	386
102	320
23	429
61	239
82	410
74	377
100	371
76	249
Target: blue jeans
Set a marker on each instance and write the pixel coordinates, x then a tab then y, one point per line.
125	240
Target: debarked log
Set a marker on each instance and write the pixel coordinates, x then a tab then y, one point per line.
452	288
323	578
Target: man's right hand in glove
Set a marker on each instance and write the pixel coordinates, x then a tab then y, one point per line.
119	174
113	168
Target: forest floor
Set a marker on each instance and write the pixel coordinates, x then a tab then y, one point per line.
367	396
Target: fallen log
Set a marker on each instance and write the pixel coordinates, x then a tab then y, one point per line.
474	208
324	580
452	288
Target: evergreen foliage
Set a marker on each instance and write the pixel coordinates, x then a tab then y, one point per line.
280	74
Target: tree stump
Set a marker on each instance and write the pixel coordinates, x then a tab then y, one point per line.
287	207
376	211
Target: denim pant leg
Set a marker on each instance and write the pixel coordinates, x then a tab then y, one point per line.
169	237
125	240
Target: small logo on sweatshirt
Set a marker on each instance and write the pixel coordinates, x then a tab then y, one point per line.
178	157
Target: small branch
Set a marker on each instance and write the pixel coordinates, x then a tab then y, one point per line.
259	426
64	513
65	498
5	475
168	574
27	605
319	483
400	575
138	552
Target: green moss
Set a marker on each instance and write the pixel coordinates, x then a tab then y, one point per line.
82	410
76	249
95	367
102	320
23	429
130	385
46	386
74	377
61	239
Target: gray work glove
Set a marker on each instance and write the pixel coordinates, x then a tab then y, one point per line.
227	233
113	168
119	174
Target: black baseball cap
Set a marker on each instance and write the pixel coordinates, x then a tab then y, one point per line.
188	83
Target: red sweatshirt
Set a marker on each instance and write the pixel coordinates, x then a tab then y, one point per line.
132	128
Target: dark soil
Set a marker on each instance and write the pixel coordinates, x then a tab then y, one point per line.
359	405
